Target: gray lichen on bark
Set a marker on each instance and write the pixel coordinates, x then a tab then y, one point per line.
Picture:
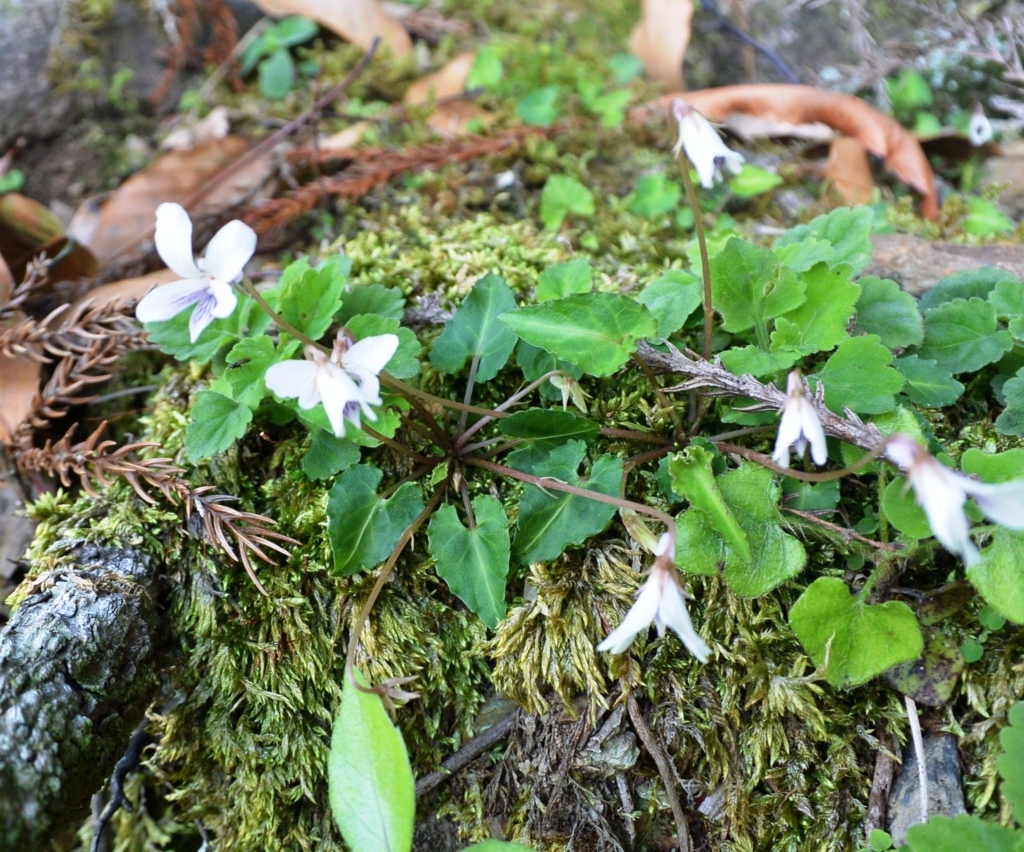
73	684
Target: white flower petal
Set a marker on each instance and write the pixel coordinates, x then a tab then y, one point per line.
225	298
202	316
1002	502
789	433
903	451
940	495
336	390
229	251
371	353
173	240
294	379
979	131
170	300
812	429
664	543
639	618
673	613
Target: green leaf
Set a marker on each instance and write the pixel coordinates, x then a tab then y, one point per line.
247	364
328	455
370	783
565	279
932	677
858	640
547	427
820	322
808	497
801	256
741	360
596	331
539	107
1007	297
884	309
625	67
986	219
847	229
972	650
498	846
295	30
960	834
217	422
550	522
753	497
405	363
927	383
611	107
969	284
371	299
307	298
671	298
363	527
903	510
750	286
1011	762
474	563
277	74
474	331
910	91
881	841
994	467
997	574
859	375
654	195
961	335
752	181
693	479
487	69
1011	421
172	336
561	196
535	362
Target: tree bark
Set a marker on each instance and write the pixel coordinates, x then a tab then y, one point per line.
74	681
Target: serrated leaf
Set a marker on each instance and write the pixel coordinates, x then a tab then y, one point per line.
370	299
217	422
969	284
370	783
847	229
328	455
363	527
960	834
596	331
246	365
548	427
801	256
820	322
884	309
550	522
927	383
474	563
1011	762
750	286
307	298
693	479
405	363
752	496
997	575
857	640
561	196
565	279
1011	420
859	375
961	335
474	331
671	298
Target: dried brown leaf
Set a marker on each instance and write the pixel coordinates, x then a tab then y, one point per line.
19	384
661	38
28	229
357	21
849	171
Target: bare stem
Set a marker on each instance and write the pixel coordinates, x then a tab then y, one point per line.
705	265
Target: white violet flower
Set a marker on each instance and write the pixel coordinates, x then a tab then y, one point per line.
799	426
346	382
205	283
702	144
979	131
660	600
942	493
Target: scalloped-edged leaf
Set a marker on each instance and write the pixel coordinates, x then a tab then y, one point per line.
370	784
846	229
750	285
928	384
308	298
857	640
859	375
217	422
969	284
474	563
362	526
886	310
961	335
671	298
475	330
820	322
565	279
595	331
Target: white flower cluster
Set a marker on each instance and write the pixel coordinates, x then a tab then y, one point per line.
702	144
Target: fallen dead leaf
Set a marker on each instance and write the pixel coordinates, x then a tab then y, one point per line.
28	229
125	290
347	138
661	39
128	216
357	21
6	281
190	134
19	384
449	119
749	127
849	171
881	135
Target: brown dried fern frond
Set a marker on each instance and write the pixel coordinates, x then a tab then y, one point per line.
77	333
95	459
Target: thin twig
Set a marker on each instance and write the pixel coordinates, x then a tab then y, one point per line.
468	753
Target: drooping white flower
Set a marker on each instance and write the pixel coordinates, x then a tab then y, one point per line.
702	144
205	283
979	131
346	382
660	600
942	493
799	426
